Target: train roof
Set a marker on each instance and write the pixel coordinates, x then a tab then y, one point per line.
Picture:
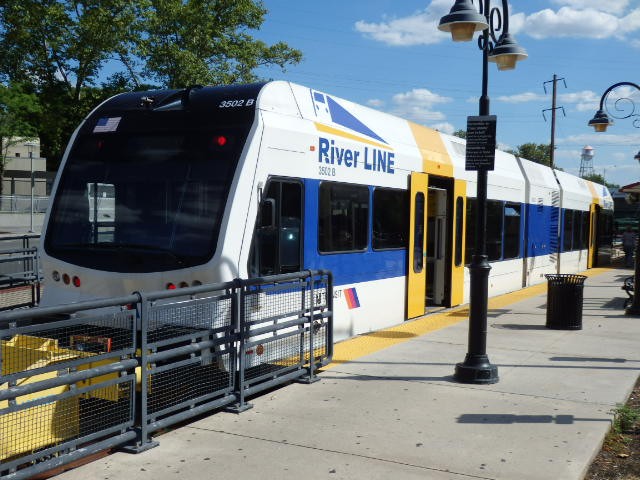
441	154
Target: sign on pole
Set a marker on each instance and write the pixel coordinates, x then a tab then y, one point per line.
481	142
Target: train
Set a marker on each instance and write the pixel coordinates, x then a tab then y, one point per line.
167	189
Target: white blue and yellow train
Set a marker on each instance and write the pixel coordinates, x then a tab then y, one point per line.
173	188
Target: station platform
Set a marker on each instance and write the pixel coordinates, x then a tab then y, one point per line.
389	408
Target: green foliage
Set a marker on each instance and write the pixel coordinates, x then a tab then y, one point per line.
61	48
460	133
19	111
624	418
536	152
597	178
207	42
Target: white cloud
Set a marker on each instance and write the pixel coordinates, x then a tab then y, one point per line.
569	22
418	105
522	98
444	127
631	140
631	22
585	101
375	103
610	6
420	28
598	19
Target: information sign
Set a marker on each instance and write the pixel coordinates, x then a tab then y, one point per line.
481	143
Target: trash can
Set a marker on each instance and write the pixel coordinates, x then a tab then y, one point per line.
564	301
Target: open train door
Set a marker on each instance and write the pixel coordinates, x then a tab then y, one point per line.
417	268
458	244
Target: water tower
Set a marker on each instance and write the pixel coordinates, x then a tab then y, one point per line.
586	162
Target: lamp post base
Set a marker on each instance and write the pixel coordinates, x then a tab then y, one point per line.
632	309
476	369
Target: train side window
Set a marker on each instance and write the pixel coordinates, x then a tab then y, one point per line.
343	218
511	230
494	229
277	246
567	225
389	219
459	218
576	230
586	217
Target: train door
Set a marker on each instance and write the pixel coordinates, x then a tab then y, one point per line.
592	236
436	245
456	285
604	237
417	265
277	240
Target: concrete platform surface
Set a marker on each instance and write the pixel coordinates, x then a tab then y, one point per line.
394	411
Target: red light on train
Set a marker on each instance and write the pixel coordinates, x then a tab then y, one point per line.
220	140
171	286
76	281
66	279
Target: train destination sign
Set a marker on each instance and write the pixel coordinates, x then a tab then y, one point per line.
481	143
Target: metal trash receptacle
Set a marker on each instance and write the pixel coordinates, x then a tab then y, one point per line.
564	301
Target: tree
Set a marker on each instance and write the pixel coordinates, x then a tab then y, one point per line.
536	152
597	178
207	42
460	133
63	49
18	113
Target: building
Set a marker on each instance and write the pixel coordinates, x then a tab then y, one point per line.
22	157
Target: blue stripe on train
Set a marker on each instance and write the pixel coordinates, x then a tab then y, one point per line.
541	232
540	226
347	268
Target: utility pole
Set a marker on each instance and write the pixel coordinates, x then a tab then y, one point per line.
553	114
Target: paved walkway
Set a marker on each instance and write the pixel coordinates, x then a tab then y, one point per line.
388	408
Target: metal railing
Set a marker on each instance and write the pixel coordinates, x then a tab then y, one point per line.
67	384
22	204
76	379
20	276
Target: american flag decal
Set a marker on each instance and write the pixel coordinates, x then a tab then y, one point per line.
106	124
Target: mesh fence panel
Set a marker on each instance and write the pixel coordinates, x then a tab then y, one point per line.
277	323
182	380
185	383
183	318
65	403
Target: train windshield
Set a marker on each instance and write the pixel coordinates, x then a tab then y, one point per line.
136	201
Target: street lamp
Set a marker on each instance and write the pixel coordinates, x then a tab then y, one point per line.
600	122
462	21
30	146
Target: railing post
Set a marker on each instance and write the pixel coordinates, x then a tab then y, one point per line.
238	319
311	377
143	438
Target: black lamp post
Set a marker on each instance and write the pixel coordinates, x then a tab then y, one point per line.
623	107
463	21
30	146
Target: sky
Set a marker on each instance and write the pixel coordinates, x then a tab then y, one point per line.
389	55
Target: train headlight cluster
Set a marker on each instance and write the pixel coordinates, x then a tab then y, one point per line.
66	278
